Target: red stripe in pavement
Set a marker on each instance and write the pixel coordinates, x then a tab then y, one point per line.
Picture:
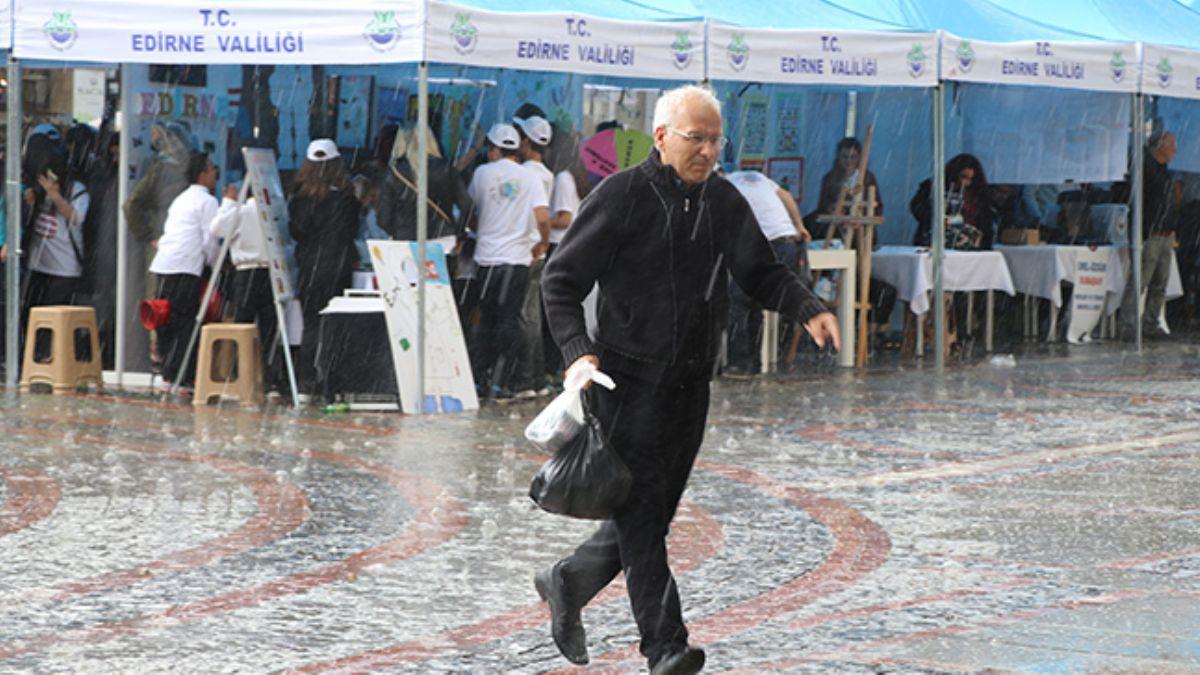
832	433
282	507
696	537
1150	559
439	518
860	547
29	497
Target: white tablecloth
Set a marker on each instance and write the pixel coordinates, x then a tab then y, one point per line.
1040	270
910	270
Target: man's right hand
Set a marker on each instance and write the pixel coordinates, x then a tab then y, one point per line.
587	358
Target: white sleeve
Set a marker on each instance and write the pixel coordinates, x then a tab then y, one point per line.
208	213
225	219
537	193
80	204
566	194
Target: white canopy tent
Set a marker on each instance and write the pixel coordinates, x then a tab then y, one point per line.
239	32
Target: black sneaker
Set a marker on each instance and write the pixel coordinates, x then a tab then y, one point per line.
686	661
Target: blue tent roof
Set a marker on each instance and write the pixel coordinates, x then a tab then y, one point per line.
1166	22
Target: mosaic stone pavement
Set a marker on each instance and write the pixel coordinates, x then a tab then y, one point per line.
1042	517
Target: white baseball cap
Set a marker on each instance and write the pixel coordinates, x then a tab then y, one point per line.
504	136
536	128
321	149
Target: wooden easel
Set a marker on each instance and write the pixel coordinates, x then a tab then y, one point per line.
856	215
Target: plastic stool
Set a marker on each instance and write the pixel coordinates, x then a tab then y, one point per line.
245	381
73	343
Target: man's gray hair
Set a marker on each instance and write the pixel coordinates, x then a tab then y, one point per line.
671	101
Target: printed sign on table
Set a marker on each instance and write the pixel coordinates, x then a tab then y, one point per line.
1087	299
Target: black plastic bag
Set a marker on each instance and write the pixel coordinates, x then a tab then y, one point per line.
584	479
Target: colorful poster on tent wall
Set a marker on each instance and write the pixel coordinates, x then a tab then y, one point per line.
1168	71
755	128
1093	66
855	58
232	31
788	173
789	122
449	383
561	42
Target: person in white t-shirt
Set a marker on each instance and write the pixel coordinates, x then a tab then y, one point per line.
56	253
250	291
505	193
536	134
570	186
779	219
186	245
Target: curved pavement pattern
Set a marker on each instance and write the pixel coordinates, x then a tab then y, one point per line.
1042	517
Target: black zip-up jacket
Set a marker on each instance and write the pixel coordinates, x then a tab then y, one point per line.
662	252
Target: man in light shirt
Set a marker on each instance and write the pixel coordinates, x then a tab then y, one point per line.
779	219
253	301
505	194
184	248
536	134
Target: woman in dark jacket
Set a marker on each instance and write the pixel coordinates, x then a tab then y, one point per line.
323	219
966	195
398	199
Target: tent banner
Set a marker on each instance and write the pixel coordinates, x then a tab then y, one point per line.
231	31
6	21
854	58
571	43
1094	66
1170	71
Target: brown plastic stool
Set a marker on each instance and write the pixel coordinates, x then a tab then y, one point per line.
67	354
245	381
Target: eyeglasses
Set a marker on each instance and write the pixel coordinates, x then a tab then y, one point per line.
695	139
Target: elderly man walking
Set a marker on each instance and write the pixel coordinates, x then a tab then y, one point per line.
660	239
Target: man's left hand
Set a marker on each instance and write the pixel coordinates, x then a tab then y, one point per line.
824	327
539	250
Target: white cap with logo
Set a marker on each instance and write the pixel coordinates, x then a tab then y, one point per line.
504	136
322	149
536	128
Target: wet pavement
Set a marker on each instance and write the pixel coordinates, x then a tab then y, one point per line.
1042	517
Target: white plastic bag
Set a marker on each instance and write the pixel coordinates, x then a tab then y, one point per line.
563	420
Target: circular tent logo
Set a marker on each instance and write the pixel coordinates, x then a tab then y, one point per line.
965	55
738	52
1118	66
60	31
916	61
383	32
681	51
1165	71
464	34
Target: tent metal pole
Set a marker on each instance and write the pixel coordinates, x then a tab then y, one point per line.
1139	124
422	222
125	149
938	227
12	268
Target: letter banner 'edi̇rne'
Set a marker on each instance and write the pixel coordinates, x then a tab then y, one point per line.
229	31
853	58
1094	66
1169	71
573	43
